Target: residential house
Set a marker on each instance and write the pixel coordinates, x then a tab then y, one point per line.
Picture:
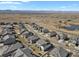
62	36
58	52
23	52
52	34
43	45
33	39
27	34
9	39
46	47
44	30
12	48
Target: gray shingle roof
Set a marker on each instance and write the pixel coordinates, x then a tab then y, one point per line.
24	52
27	34
7	26
74	40
62	35
22	27
47	47
18	53
33	38
8	36
45	30
9	39
7	31
12	48
59	52
40	42
51	34
0	40
3	49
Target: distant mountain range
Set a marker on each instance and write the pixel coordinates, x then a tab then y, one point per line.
31	11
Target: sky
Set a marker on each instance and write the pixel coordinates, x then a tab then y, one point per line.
40	5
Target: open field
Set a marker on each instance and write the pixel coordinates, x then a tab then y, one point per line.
52	21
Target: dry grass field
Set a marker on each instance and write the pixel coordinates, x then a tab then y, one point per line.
52	21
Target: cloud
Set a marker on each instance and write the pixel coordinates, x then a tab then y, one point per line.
9	2
15	0
69	6
25	1
64	7
13	7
